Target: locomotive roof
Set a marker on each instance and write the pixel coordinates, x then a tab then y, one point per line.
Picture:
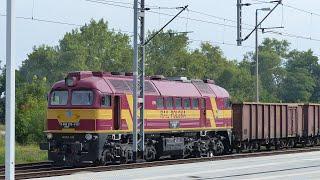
119	84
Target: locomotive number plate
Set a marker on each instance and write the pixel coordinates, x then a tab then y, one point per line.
69	124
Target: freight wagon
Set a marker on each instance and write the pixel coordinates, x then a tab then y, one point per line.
276	125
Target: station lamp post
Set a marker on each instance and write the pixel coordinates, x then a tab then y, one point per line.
257	52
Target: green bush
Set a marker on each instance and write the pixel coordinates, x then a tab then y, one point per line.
31	111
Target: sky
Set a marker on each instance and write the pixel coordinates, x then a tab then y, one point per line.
204	19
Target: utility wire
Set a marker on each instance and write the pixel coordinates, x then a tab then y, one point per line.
109	3
126	4
166	14
217	17
221	43
59	22
105	2
193	19
197	20
291	7
293	35
302	10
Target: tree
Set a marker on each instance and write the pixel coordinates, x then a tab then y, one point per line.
271	69
92	47
31	110
302	78
297	86
167	54
42	62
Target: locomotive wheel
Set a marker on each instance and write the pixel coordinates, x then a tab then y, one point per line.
219	148
125	159
150	153
127	155
210	154
108	158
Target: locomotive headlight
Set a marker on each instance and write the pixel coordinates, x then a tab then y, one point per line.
88	137
70	81
49	136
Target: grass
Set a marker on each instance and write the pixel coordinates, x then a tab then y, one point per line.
24	153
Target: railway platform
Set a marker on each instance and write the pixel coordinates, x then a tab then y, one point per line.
288	166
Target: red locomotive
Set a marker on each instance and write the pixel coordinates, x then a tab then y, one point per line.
89	120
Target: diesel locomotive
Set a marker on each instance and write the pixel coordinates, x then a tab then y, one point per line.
89	119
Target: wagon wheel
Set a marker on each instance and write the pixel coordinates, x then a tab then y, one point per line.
219	147
268	147
291	143
258	147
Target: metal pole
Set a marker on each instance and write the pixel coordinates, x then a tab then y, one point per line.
138	82
135	79
10	93
239	22
141	78
257	58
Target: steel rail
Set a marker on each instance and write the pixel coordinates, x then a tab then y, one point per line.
56	171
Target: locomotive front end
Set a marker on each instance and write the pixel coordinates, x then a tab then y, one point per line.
74	118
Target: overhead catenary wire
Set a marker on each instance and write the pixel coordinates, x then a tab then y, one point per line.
291	7
59	22
293	35
221	43
197	20
106	2
225	19
166	14
218	17
111	3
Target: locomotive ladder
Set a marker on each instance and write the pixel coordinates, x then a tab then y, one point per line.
138	82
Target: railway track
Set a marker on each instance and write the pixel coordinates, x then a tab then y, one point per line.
29	166
45	169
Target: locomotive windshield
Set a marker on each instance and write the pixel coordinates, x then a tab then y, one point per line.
59	98
82	97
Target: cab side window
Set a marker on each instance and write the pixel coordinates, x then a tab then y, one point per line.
159	103
195	103
178	103
186	103
169	102
106	101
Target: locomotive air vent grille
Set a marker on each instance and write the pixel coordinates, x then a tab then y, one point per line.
203	87
120	85
147	87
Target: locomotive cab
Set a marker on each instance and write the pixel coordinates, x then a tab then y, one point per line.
77	109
